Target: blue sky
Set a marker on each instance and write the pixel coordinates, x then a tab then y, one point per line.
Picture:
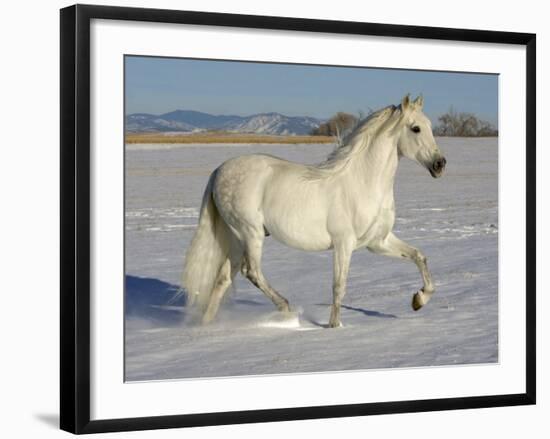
159	85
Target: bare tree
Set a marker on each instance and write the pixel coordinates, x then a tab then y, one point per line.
337	124
457	124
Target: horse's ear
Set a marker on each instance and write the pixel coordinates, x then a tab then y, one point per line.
419	102
405	103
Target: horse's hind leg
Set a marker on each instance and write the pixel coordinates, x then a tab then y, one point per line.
253	272
225	276
393	246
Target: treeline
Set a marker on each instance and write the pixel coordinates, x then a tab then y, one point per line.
455	124
450	124
336	125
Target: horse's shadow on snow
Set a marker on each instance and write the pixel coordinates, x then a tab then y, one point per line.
153	300
369	312
366	312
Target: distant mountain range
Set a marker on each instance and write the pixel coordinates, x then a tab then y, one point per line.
193	121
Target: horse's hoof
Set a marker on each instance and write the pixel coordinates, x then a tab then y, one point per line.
418	300
285	307
335	325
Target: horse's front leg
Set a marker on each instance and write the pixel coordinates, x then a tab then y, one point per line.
342	258
393	246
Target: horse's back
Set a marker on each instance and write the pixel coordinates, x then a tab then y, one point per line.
250	163
248	172
244	172
253	175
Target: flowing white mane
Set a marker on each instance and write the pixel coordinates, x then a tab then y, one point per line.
356	141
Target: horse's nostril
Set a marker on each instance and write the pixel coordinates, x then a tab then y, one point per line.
439	164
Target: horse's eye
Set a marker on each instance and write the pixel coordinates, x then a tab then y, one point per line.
415	129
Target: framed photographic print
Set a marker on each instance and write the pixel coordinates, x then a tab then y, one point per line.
272	218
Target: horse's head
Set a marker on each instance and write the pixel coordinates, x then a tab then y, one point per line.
415	138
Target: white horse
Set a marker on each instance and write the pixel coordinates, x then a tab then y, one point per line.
345	203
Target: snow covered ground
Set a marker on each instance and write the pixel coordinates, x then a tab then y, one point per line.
453	220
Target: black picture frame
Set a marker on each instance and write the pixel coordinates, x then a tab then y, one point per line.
75	217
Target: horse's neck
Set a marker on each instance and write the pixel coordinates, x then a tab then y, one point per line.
376	167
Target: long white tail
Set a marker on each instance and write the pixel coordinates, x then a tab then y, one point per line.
208	251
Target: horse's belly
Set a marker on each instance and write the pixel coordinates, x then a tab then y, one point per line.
309	242
297	232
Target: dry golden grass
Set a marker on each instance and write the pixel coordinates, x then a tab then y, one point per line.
224	138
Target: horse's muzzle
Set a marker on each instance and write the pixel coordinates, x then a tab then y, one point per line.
438	166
